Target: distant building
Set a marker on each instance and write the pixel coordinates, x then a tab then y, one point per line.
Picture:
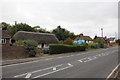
105	40
5	39
43	39
81	38
112	39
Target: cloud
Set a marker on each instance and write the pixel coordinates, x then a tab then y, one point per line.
76	16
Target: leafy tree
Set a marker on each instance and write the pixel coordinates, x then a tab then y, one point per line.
20	27
4	25
62	33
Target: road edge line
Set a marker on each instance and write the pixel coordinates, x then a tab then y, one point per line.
113	71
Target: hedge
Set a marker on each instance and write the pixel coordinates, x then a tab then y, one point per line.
93	45
62	48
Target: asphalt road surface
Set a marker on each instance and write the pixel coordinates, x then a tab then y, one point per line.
97	63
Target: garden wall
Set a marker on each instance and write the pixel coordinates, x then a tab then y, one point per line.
12	52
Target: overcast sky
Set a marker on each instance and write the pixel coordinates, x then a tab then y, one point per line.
74	15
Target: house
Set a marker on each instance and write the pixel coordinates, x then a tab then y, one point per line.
105	40
81	38
43	39
112	39
5	39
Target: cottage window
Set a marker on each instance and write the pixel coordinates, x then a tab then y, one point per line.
3	41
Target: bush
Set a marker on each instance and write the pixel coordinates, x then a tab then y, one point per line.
93	45
84	44
68	41
31	47
62	48
100	43
20	42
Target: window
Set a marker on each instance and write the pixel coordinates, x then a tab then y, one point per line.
3	41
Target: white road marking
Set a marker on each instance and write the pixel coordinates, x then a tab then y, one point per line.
26	62
80	60
53	72
69	64
67	56
54	68
60	57
21	63
49	59
113	71
28	75
71	55
37	71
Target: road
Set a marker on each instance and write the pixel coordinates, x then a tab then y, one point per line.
97	63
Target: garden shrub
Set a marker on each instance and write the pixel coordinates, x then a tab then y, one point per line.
20	42
31	47
100	42
63	48
68	41
93	45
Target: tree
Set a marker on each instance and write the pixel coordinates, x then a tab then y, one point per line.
5	25
20	27
62	33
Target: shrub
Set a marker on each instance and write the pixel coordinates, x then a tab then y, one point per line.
63	48
100	43
93	45
31	47
84	44
68	41
20	42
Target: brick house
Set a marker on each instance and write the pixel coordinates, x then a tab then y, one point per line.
5	39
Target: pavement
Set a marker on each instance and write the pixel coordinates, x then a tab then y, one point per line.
91	64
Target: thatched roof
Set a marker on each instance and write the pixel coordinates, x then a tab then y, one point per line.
88	38
39	37
99	38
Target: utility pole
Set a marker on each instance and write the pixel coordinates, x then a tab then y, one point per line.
115	36
101	32
15	26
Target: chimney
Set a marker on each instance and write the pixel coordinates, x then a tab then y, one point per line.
81	35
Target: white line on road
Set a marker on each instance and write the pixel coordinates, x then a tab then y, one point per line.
113	71
60	57
28	75
49	59
72	55
69	64
54	68
67	56
80	60
37	71
53	71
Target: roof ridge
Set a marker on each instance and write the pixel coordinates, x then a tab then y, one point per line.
35	32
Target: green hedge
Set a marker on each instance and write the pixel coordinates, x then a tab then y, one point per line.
62	48
93	45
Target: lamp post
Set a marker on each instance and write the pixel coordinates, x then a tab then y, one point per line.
101	32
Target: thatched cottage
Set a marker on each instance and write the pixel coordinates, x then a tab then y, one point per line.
87	39
105	40
43	39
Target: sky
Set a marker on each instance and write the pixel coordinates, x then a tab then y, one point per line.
78	16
